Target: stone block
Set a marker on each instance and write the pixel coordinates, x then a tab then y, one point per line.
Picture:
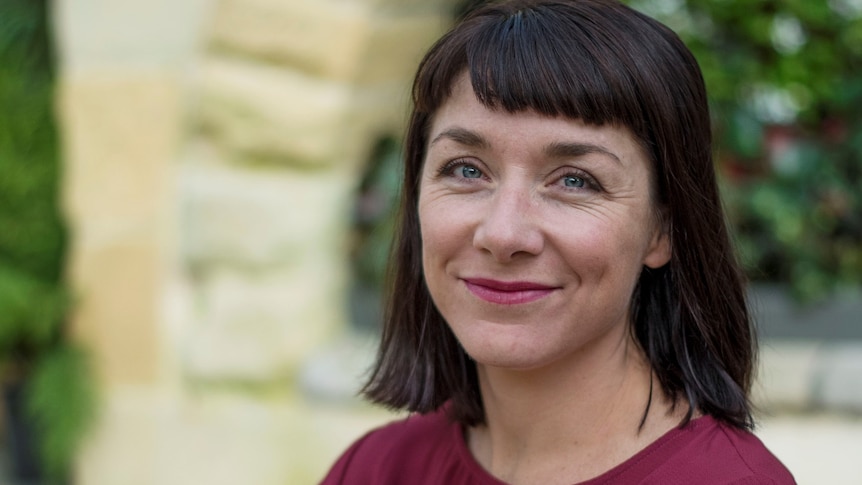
414	7
261	327
117	288
217	437
275	113
395	45
120	134
226	440
337	371
323	38
155	33
120	131
299	34
122	446
259	218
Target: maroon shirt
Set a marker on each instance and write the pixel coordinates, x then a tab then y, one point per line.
430	449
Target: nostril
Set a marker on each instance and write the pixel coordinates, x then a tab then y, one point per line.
505	239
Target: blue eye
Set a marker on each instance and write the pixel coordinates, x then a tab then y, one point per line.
574	181
461	169
469	172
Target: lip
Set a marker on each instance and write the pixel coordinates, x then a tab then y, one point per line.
507	292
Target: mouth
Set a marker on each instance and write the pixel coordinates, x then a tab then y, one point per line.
507	292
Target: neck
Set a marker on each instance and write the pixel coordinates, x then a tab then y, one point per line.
571	420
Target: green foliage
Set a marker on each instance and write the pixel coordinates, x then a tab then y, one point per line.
33	300
62	406
30	313
32	237
785	87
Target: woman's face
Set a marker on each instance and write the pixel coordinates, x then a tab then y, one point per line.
534	231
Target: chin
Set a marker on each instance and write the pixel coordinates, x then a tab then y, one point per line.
508	348
513	362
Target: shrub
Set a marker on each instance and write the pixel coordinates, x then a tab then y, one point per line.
785	87
33	348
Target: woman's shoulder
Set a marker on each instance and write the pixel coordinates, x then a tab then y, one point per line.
705	451
755	463
415	449
411	433
430	449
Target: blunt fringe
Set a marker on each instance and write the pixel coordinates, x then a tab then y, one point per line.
603	63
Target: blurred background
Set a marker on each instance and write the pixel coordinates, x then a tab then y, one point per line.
196	203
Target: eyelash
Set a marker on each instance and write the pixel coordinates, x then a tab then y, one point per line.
448	170
590	183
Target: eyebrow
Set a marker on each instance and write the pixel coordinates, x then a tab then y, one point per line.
577	149
463	136
558	149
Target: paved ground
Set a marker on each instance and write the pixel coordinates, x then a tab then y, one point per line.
817	448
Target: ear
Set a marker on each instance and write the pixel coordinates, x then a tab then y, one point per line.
659	250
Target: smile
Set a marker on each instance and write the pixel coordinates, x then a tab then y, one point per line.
507	293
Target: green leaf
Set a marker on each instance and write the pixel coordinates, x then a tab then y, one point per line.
61	400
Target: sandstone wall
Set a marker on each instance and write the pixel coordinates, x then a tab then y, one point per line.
212	151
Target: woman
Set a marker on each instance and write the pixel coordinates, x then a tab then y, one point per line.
566	307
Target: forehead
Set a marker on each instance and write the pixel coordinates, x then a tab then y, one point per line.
600	62
555	59
463	119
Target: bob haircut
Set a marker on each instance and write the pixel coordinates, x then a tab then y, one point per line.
603	63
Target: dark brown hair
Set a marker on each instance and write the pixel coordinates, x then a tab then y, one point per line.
603	63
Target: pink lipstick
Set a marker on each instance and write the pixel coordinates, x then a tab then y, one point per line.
507	292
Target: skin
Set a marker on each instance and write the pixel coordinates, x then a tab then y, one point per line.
558	216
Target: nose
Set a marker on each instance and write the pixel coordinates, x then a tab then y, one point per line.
509	228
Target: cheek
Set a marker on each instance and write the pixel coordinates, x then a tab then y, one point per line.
444	223
595	248
436	230
441	241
